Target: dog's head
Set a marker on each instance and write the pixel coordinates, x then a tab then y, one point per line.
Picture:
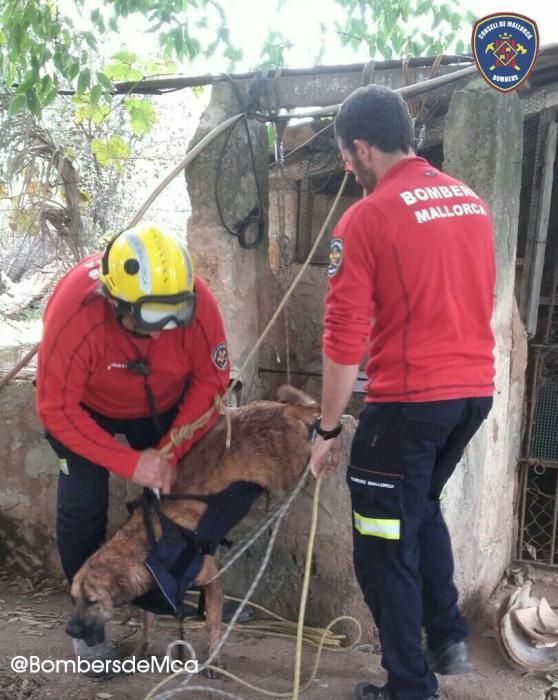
96	590
300	406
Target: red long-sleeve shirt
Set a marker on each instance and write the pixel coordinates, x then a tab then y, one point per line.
412	268
82	362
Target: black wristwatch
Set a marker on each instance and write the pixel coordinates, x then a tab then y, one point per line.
327	434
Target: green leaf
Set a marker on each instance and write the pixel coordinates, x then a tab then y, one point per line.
397	40
17	103
128	57
73	69
90	39
445	12
84	81
18	33
46	83
50	97
111	152
456	21
33	104
104	81
122	68
96	94
142	115
437	19
178	41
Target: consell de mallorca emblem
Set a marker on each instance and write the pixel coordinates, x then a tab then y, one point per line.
505	47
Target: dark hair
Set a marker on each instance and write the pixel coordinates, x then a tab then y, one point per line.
377	115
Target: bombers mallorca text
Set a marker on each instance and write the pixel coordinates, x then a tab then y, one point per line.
442	211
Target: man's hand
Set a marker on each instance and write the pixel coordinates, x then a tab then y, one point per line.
154	471
325	456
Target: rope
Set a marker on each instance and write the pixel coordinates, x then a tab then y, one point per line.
154	692
185	432
305	587
277	627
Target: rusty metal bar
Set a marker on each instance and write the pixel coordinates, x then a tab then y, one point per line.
523	497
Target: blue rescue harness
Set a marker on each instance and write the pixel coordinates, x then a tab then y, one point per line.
175	559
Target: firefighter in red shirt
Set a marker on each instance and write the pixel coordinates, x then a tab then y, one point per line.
411	270
133	344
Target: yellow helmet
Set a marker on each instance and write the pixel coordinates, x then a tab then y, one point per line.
149	274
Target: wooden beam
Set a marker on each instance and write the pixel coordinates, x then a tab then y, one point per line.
159	85
538	226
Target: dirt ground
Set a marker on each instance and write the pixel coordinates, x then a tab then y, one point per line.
32	618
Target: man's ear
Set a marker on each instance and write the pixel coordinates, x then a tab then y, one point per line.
362	149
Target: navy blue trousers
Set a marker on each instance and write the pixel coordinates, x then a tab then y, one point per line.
402	456
81	514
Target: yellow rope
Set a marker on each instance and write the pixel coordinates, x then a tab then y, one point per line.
305	587
300	629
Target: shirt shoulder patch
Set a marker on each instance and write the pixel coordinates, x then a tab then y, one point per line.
335	256
220	356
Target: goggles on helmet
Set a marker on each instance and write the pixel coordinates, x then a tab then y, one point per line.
155	313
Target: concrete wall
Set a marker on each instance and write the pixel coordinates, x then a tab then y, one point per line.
29	474
233	273
485	152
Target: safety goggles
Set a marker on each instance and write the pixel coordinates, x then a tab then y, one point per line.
155	313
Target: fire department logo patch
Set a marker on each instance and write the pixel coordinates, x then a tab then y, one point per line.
505	47
220	356
335	256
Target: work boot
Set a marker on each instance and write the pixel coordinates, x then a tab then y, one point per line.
368	691
450	659
105	652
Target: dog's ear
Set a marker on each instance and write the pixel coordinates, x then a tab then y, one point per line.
289	394
307	414
119	591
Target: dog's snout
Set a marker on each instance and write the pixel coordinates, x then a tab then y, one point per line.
75	628
91	634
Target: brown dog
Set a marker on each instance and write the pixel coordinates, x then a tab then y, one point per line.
270	447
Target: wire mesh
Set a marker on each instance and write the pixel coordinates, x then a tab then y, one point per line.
531	162
544	441
538	526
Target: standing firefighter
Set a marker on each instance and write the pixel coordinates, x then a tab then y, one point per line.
412	268
133	343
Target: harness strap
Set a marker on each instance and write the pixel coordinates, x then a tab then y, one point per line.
150	504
